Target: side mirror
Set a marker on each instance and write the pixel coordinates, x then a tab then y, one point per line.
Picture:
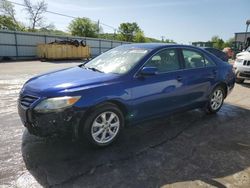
148	71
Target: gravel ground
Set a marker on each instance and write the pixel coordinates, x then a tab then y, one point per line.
190	149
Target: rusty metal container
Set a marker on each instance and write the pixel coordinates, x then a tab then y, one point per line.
62	51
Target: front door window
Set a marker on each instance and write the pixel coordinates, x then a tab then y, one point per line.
164	61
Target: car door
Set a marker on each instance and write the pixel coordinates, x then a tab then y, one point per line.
156	94
198	75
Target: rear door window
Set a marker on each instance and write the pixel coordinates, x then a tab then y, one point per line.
193	59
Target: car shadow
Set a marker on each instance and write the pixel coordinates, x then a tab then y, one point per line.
246	84
183	147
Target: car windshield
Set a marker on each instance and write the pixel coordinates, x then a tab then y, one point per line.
248	49
118	60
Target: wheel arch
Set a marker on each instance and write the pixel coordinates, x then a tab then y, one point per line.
117	103
120	105
224	86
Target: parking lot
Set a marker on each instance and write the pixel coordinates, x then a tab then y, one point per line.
190	149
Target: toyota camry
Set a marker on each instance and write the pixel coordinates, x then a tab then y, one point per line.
124	86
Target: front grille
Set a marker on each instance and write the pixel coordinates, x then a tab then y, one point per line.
247	63
245	75
27	100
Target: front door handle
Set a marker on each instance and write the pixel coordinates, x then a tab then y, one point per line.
215	72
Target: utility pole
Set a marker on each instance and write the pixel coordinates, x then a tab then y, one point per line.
114	33
245	39
162	38
98	30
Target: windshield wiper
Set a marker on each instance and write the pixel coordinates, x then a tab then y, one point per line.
94	69
82	66
90	68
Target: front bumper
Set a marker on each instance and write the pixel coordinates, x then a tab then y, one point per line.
243	72
243	75
61	123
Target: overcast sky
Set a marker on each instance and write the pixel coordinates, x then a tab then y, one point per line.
183	21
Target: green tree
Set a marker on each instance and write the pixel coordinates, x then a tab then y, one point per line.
6	22
148	39
139	37
128	31
83	27
229	42
169	41
109	36
217	42
52	31
7	8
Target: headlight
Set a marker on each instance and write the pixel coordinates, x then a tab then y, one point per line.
239	60
57	103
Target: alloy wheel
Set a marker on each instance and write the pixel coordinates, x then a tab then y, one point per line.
105	127
216	99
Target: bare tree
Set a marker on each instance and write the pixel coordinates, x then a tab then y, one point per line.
7	8
35	12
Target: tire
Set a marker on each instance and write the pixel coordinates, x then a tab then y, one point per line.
216	100
83	43
99	130
239	80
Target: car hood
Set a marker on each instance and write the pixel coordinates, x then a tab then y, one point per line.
59	81
244	55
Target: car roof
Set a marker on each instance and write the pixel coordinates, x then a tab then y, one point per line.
156	45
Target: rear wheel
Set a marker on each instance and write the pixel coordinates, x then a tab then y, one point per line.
216	100
239	80
103	125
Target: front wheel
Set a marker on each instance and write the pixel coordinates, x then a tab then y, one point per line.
103	125
216	100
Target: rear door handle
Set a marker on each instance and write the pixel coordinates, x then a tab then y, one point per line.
179	78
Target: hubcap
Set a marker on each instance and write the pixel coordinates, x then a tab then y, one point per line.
105	127
217	99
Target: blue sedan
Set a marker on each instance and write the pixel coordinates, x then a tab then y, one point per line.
125	85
